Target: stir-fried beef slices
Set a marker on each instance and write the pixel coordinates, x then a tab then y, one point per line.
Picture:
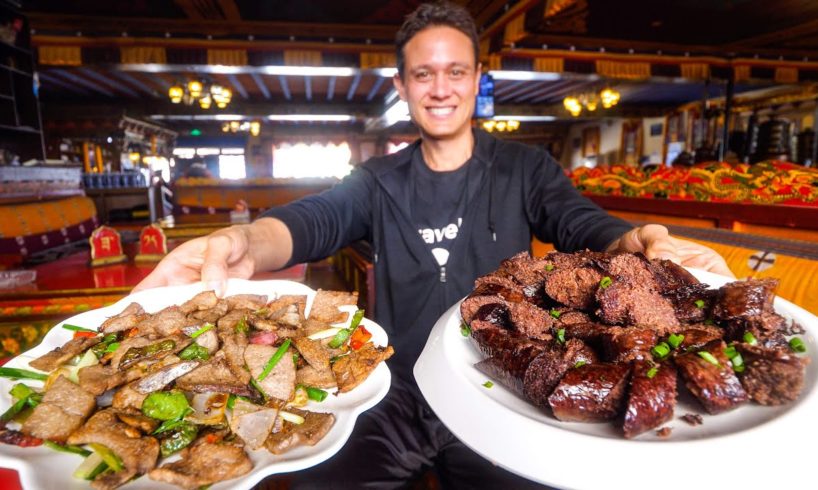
151	385
545	324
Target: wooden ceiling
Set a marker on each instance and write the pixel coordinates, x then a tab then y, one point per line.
780	30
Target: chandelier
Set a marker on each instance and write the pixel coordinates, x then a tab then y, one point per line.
206	94
501	126
253	127
590	101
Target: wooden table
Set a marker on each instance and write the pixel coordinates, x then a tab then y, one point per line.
195	225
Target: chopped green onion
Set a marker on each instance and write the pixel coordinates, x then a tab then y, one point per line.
488	384
316	394
660	350
21	391
75	328
555	313
67	448
709	321
111	459
339	339
356	319
730	352
258	388
549	267
738	363
90	468
750	338
335	358
205	328
112	347
241	325
231	401
579	364
699	303
295	359
652	372
15	373
169	425
708	357
675	340
465	330
797	345
274	359
605	282
561	335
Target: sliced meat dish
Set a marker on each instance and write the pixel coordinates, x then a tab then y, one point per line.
714	385
590	393
670	276
64	408
98	379
314	352
548	368
771	376
246	301
204	464
125	320
326	303
214	376
696	336
202	301
631	267
628	344
61	355
167	322
280	382
626	303
309	376
315	427
652	397
353	369
573	287
692	303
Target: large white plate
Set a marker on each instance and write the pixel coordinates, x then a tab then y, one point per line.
750	447
42	468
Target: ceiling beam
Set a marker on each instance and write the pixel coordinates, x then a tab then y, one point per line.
189	8
775	37
260	84
230	10
47	22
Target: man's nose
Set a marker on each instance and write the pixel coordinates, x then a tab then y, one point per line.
441	86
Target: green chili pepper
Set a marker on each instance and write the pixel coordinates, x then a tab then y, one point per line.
316	394
241	325
136	354
194	351
165	405
339	339
180	438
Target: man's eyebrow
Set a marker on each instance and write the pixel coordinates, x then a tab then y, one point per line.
454	64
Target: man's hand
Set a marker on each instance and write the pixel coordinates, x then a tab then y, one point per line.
210	259
656	243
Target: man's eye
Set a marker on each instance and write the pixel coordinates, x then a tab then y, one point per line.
458	73
422	75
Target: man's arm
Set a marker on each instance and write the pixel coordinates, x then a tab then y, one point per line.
238	251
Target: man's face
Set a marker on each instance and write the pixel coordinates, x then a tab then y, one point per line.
440	82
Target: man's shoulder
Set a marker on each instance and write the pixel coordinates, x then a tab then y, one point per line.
380	165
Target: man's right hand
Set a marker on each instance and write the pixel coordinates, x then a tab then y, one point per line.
211	259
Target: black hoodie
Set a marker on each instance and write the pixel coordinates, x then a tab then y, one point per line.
523	192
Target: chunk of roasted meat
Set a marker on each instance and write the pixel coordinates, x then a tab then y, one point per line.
204	464
708	374
590	393
353	369
771	376
747	306
652	397
314	428
64	408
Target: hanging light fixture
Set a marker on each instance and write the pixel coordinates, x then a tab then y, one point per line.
501	126
253	127
202	92
591	101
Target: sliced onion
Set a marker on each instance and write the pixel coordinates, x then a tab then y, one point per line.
323	334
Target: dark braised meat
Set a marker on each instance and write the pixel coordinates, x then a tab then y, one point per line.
527	271
494	342
692	303
633	268
628	344
670	276
696	336
747	306
590	393
548	368
714	385
471	306
772	376
530	320
573	287
492	316
627	303
652	397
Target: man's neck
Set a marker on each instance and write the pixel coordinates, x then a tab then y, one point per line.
447	155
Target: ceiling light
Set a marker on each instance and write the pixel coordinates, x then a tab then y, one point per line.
311	117
524	75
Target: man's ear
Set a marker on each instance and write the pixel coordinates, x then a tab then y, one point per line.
397	82
478	73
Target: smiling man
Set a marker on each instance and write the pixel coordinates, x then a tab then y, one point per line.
438	214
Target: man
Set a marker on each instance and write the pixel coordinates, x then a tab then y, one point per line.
438	214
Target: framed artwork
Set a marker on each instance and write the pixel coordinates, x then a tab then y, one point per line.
631	146
590	141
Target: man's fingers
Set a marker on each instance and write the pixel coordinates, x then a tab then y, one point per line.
216	259
153	280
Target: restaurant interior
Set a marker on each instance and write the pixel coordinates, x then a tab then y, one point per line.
170	119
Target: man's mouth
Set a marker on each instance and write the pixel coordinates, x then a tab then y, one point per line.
441	111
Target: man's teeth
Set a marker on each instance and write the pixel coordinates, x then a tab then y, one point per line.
441	111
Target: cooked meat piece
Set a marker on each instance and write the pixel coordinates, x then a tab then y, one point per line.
652	397
325	305
626	303
127	398
211	315
156	351
280	382
138	454
64	408
309	376
498	285
528	272
61	355
308	328
772	376
696	336
591	333
246	301
509	367
590	393
562	260
209	339
315	427
530	320
573	287
204	464
491	316
167	322
472	304
631	267
692	303
693	419
715	386
495	342
228	322
353	369
98	379
202	301
137	420
494	369
570	317
314	352
252	423
163	377
628	344
670	276
125	320
125	346
281	309
233	346
745	299
215	376
263	337
548	368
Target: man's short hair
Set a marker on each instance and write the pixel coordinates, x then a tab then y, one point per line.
441	13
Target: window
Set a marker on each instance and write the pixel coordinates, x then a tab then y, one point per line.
315	160
232	167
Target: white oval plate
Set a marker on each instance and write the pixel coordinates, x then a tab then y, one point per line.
750	447
41	468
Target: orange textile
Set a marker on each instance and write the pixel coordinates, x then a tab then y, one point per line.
41	217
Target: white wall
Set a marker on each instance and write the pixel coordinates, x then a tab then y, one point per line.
610	139
652	145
